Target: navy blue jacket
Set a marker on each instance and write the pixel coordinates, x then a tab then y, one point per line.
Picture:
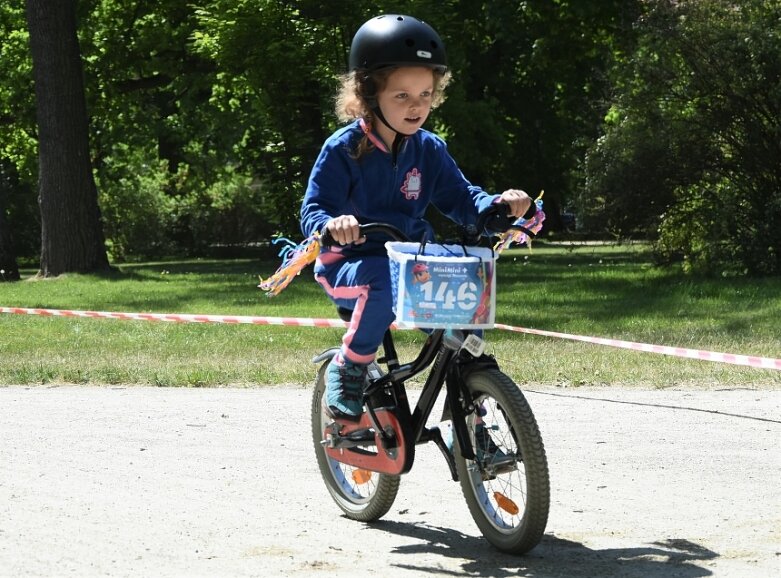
379	188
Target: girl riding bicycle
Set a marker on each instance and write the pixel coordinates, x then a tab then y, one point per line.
383	166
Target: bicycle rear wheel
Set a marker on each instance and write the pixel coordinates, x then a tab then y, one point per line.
362	495
507	487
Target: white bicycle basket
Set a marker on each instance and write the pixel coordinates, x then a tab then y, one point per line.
439	286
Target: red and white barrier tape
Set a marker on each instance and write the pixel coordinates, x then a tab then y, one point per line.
747	360
180	317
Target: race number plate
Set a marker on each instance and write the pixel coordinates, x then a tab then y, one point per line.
436	291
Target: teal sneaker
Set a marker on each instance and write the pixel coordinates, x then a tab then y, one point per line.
344	386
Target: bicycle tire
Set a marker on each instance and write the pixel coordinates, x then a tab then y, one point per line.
523	483
361	498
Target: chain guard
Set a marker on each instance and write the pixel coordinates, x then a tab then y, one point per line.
394	459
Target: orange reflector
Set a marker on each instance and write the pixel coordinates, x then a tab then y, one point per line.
361	476
506	504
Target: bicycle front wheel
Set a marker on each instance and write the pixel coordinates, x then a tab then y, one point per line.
506	487
361	494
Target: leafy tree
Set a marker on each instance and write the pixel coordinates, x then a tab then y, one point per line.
530	89
156	142
18	152
209	117
205	119
275	81
692	142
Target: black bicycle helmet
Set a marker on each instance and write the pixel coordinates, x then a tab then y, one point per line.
396	40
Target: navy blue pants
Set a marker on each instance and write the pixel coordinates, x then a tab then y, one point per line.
362	284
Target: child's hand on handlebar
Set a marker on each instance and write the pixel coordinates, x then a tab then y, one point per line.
518	200
345	230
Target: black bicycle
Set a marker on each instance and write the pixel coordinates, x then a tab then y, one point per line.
497	453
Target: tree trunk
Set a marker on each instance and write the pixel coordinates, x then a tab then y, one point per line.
9	270
71	230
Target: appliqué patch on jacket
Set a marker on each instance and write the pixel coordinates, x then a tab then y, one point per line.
412	185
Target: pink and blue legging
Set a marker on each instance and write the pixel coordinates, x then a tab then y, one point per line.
362	284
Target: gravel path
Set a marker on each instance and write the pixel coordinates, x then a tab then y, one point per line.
143	481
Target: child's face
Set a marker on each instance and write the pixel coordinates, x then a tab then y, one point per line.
406	99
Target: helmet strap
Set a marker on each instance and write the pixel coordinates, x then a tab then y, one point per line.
397	140
378	113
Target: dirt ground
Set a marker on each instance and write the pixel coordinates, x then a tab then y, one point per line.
138	481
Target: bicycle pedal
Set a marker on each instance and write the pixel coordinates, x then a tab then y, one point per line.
504	465
334	436
361	435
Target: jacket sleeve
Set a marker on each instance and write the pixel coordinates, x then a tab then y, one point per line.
327	190
454	195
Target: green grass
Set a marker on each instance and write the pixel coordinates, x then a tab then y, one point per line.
606	291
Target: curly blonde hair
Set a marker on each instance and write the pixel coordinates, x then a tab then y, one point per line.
358	92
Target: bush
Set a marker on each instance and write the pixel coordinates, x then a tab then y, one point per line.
136	210
150	212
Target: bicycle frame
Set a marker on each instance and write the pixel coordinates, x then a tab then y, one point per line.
395	448
396	433
499	458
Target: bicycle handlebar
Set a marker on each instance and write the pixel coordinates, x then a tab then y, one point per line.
493	220
327	240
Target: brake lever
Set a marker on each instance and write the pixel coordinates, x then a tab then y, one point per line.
496	219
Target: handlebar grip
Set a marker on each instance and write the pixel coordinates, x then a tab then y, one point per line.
531	211
327	240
